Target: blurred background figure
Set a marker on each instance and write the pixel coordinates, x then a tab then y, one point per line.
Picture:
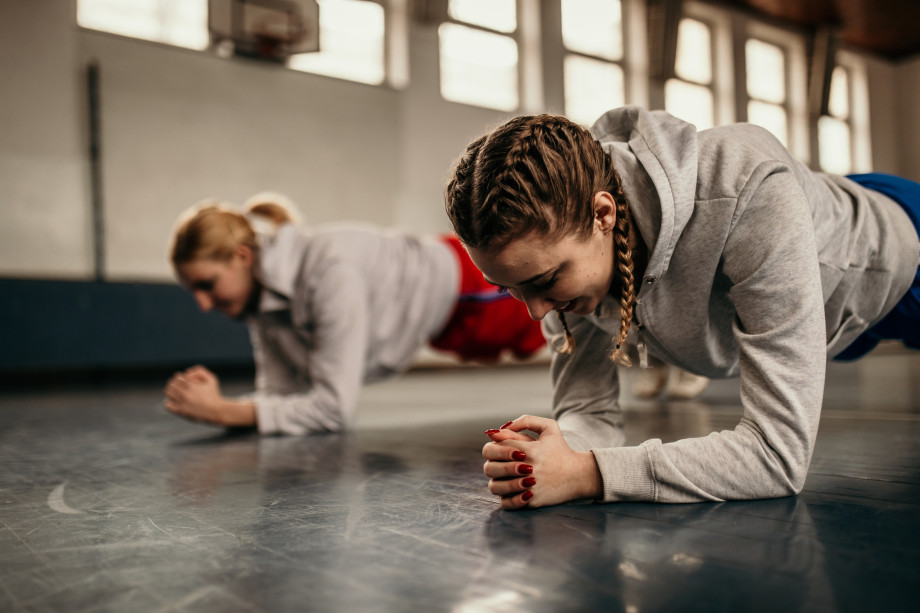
661	378
329	309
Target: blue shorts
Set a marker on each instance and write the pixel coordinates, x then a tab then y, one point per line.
903	322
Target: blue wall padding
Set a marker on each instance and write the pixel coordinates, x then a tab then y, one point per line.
62	325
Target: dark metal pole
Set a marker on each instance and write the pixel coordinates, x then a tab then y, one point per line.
95	164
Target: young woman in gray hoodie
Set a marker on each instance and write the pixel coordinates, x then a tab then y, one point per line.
329	309
717	252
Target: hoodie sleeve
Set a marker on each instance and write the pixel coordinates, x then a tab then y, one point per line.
334	364
585	386
770	257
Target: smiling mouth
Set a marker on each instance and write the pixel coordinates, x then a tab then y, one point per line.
568	307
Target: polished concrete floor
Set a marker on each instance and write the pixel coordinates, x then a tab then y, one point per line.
107	503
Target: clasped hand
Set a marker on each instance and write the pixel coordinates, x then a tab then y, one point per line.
537	472
195	395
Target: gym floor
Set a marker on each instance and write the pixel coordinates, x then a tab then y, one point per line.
107	503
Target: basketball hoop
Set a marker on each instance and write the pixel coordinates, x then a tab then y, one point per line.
269	30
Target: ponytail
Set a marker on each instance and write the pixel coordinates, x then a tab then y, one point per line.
274	207
211	230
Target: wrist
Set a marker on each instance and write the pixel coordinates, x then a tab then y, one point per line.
591	485
239	413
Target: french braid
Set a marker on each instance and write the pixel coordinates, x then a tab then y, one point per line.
624	262
540	174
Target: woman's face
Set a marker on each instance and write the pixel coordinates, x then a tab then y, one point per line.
569	274
227	286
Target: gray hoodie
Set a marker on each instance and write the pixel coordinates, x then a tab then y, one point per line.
758	267
341	307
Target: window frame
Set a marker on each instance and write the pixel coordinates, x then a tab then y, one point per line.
517	35
857	120
627	12
795	104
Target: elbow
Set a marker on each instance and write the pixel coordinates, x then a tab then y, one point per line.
788	479
797	481
784	464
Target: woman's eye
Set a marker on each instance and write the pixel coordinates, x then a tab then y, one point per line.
502	290
546	285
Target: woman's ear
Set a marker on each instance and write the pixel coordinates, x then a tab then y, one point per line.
605	211
244	254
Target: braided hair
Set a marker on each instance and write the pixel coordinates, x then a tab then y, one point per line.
539	174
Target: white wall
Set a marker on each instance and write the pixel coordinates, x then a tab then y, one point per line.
179	125
435	133
883	120
907	116
45	227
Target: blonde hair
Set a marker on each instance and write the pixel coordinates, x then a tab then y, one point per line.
540	174
212	230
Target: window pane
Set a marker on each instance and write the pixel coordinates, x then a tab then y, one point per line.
478	67
498	15
183	23
592	87
834	146
350	40
694	52
838	104
593	27
690	102
766	71
770	116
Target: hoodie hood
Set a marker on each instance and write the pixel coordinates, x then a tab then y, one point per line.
280	259
656	157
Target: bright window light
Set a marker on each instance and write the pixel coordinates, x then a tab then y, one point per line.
183	23
770	116
478	67
351	42
592	87
834	146
766	71
499	15
694	52
839	104
690	102
593	27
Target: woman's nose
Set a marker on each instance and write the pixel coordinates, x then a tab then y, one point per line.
538	307
204	301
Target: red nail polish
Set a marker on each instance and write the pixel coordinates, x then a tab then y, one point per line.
491	431
526	495
525	469
506	425
528	482
518	455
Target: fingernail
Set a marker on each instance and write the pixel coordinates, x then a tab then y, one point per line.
520	456
506	425
491	431
525	469
526	495
528	481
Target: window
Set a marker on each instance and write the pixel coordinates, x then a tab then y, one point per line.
352	32
834	139
183	23
844	138
479	54
690	95
775	75
351	42
766	87
592	35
